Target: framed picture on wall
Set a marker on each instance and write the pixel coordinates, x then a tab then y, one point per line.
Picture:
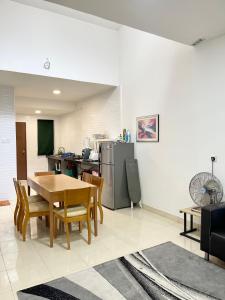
147	128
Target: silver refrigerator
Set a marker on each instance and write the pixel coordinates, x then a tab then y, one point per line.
113	170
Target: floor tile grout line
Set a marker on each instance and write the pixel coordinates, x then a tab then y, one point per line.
45	262
3	259
11	287
122	218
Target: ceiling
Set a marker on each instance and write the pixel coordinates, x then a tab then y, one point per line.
34	92
184	21
66	11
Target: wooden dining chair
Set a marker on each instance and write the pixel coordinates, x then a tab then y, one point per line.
17	207
18	212
86	177
45	173
30	209
98	182
76	209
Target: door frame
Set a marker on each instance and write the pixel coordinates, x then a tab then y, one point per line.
25	150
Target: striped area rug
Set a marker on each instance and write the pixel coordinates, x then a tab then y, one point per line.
162	272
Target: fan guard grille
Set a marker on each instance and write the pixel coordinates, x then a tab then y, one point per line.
205	189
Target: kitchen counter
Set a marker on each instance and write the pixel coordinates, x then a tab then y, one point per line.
83	161
57	157
72	159
76	165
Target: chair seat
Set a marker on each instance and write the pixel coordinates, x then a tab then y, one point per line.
72	211
35	198
41	206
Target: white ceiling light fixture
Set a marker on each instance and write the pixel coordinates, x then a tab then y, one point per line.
56	92
38	112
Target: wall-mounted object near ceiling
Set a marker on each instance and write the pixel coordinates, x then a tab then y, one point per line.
198	41
47	64
45	137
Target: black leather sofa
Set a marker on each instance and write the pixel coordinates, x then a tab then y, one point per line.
213	230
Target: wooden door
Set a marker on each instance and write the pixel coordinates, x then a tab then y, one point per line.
21	150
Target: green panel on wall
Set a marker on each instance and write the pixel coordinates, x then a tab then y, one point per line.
45	137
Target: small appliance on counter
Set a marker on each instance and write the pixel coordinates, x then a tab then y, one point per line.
61	150
86	153
68	155
93	155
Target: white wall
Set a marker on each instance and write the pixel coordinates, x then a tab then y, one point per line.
77	50
35	162
185	86
100	114
207	106
155	75
7	143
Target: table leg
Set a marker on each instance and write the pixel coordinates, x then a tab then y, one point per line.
191	222
51	224
95	215
187	231
185	223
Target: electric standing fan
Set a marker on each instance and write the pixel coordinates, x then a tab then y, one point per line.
205	189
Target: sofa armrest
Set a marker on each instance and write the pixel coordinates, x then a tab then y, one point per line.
212	219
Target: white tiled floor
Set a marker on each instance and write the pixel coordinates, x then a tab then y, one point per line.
23	264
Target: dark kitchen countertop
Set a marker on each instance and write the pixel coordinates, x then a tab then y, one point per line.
56	157
83	161
75	160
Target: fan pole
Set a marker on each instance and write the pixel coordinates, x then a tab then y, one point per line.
213	160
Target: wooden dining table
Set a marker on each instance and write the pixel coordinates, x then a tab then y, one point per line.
52	187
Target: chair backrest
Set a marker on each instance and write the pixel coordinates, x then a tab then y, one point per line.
77	197
98	182
44	173
95	180
23	197
17	191
14	181
86	177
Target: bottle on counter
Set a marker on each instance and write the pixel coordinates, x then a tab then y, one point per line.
124	134
128	136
